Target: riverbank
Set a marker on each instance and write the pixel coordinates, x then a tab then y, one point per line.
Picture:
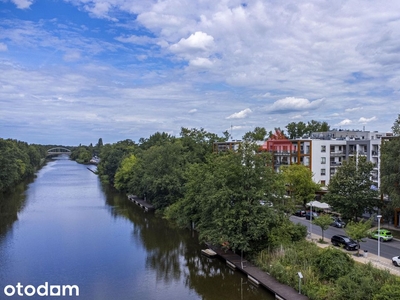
258	277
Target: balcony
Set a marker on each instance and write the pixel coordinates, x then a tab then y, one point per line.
284	153
337	153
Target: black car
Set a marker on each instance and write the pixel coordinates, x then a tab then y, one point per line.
344	241
300	213
336	222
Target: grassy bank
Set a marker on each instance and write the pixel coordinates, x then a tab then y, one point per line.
329	273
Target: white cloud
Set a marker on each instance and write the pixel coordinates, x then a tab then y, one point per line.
240	115
192	111
135	39
353	109
199	41
22	4
297	117
363	120
290	104
344	122
201	62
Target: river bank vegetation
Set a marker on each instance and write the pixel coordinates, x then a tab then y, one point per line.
18	160
328	273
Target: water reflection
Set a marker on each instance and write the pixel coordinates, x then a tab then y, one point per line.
11	203
175	256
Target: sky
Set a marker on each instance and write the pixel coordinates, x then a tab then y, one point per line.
74	71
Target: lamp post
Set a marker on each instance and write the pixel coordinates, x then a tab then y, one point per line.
379	235
300	277
311	217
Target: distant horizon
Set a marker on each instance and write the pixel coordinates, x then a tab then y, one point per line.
177	136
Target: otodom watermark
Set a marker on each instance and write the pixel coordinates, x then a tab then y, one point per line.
42	290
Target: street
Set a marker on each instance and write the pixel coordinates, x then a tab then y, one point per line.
387	249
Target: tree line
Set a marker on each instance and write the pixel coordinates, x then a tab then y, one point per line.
232	198
18	160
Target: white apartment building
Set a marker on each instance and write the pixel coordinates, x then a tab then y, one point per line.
322	152
331	148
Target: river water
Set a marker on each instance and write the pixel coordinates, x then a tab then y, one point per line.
65	228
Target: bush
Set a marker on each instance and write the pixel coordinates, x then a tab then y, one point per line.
333	263
359	284
389	292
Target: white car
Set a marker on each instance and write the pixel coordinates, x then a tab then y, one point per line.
396	261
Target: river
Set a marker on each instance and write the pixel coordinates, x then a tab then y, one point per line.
66	229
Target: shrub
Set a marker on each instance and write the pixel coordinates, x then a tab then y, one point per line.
333	263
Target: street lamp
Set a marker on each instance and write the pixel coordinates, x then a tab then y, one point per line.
311	217
300	277
379	235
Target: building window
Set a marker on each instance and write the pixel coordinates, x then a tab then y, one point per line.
323	148
323	183
323	171
323	160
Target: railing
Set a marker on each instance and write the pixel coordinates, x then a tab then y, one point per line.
337	153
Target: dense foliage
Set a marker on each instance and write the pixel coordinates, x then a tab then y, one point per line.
18	160
328	273
390	169
349	190
299	129
232	199
299	183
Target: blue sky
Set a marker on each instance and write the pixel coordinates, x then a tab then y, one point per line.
74	71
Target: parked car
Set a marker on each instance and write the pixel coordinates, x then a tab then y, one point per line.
313	216
337	222
300	213
396	261
384	235
344	241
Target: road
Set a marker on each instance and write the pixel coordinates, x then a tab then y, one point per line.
387	249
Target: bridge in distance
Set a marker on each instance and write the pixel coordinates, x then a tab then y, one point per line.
58	151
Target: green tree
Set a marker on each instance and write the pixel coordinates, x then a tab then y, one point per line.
111	158
296	130
222	197
198	143
124	172
333	263
349	190
358	231
390	170
324	221
159	174
156	139
396	126
299	183
258	134
316	126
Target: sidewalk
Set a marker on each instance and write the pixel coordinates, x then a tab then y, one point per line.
383	263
